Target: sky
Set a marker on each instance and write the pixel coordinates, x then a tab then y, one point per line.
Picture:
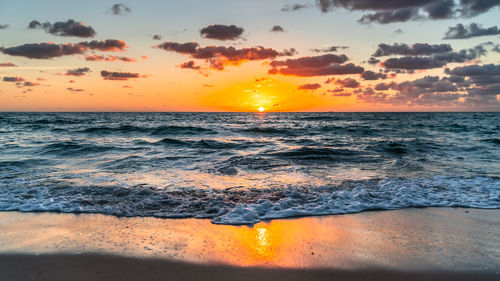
250	55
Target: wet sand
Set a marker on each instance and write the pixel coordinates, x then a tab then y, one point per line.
411	244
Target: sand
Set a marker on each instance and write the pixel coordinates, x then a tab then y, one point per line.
411	244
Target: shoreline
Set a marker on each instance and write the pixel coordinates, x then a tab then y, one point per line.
408	244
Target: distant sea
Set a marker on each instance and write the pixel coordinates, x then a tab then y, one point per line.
241	168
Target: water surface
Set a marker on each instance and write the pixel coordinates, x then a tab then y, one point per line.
240	168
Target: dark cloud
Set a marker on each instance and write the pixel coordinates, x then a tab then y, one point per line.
124	59
3	26
74	90
315	66
233	54
183	48
277	28
119	9
109	58
475	70
333	69
330	80
309	86
371	75
485	96
7	64
221	32
347	83
78	71
336	90
190	65
288	52
43	50
13	79
473	86
157	37
373	61
108	45
339	92
67	28
368	95
462	55
413	63
327	5
30	84
294	7
219	56
475	7
429	91
435	61
329	49
107	75
34	24
443	9
428	83
473	30
51	50
384	86
20	82
328	64
390	11
413	50
390	16
316	61
496	48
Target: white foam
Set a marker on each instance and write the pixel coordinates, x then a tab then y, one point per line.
249	206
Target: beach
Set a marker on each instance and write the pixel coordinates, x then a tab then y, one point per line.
408	244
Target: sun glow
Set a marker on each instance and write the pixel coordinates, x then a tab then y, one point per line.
249	95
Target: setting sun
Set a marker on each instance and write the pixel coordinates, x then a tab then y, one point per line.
261	109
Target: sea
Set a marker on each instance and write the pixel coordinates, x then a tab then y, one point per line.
242	168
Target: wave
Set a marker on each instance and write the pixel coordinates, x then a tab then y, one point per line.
319	153
250	163
173	142
492	140
154	131
249	206
205	144
411	147
269	130
70	148
25	164
321	118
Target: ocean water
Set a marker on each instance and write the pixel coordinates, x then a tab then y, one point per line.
241	168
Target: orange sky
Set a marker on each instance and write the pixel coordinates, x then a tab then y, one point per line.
249	68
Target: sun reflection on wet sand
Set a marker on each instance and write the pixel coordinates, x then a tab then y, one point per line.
385	239
284	242
260	245
262	238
